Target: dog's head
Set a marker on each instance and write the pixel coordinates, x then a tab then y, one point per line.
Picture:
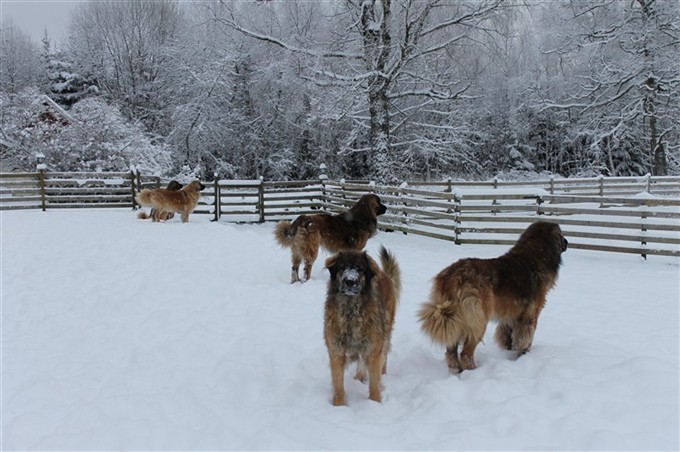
351	272
373	203
174	185
195	186
545	241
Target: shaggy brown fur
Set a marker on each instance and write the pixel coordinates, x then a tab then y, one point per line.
361	303
349	230
161	216
183	201
510	288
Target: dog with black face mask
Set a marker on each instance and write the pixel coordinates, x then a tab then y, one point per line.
360	308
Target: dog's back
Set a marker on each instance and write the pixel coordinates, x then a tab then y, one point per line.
164	200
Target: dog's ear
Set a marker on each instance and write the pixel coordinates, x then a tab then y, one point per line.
330	264
372	268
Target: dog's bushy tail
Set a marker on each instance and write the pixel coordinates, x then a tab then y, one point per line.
142	215
449	321
284	233
144	197
390	266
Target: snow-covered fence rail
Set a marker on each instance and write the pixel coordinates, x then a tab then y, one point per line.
641	224
461	212
48	189
602	186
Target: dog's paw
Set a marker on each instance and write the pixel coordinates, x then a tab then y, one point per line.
339	400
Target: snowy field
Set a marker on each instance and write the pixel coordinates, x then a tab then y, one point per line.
122	334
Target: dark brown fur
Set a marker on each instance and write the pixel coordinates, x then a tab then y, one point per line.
349	230
510	288
183	201
361	304
161	216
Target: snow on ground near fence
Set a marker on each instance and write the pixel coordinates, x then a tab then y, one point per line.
119	333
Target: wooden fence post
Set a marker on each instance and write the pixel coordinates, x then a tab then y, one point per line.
649	183
260	199
494	202
132	189
400	195
41	179
323	178
323	195
217	201
457	201
139	181
600	180
643	229
552	184
448	189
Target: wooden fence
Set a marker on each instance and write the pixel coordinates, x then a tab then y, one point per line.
626	215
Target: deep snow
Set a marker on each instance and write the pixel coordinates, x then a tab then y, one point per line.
122	334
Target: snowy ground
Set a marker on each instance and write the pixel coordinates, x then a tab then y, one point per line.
122	334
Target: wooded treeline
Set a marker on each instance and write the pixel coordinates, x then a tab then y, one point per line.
380	89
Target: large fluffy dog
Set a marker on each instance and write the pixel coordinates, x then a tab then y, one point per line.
359	314
155	214
510	288
183	201
349	230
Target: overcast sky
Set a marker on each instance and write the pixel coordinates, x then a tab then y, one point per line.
33	16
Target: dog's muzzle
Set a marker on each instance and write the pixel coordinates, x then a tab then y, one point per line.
565	243
382	208
350	281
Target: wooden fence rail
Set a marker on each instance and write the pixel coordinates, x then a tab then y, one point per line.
492	212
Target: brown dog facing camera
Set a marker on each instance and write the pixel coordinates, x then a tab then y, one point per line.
361	303
510	288
161	216
349	230
183	201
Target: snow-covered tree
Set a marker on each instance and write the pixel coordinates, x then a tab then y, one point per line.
124	46
19	58
382	63
626	89
94	137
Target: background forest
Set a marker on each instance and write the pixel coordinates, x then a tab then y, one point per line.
381	89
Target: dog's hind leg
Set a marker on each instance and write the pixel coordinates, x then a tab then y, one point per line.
307	274
467	354
295	268
452	359
523	334
503	334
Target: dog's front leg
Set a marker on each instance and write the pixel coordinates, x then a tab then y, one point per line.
375	366
338	361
